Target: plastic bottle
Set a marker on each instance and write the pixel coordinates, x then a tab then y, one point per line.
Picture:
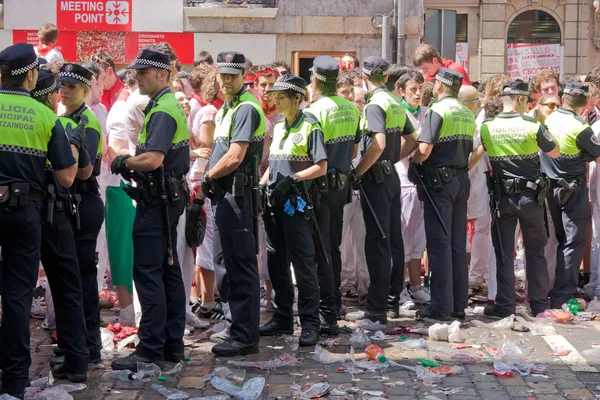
123	376
375	352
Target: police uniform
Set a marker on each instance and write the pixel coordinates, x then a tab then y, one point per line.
512	142
339	120
31	134
294	148
569	202
243	121
89	210
59	257
450	127
383	113
161	196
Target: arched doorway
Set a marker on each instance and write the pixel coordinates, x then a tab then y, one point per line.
534	44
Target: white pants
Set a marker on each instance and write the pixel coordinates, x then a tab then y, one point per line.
355	274
204	253
185	254
593	287
413	230
483	258
101	244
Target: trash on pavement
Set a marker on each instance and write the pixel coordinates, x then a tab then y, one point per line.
465	358
446	333
428	377
505	323
237	375
285	360
169	393
379	335
251	390
594	307
414	344
107	338
123	376
175	370
359	339
337	341
369	325
325	357
127	341
315	391
147	371
428	363
375	353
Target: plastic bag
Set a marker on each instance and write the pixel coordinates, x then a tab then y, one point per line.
369	325
285	360
224	372
316	390
594	307
325	357
107	339
147	371
175	370
428	377
509	350
359	339
170	394
454	333
251	390
438	332
53	393
465	358
379	335
414	344
9	397
127	341
505	323
561	316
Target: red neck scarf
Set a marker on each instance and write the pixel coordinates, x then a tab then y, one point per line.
218	103
199	99
44	49
269	110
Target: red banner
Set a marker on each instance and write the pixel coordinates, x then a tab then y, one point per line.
66	44
94	15
182	44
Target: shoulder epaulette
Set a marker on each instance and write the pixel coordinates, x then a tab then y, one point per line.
488	120
578	118
528	118
308	117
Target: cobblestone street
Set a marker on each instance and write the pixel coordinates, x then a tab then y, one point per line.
572	371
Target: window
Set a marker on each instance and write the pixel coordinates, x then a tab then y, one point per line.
303	61
534	27
462	23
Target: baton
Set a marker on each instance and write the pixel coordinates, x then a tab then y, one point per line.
372	211
165	204
433	205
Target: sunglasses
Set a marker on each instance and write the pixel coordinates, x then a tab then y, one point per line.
472	101
552	106
97	59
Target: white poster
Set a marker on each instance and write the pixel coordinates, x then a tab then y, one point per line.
524	61
462	55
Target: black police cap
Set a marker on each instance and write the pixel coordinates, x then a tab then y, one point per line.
375	65
75	73
289	81
150	58
449	77
20	58
325	68
517	87
46	84
231	62
577	89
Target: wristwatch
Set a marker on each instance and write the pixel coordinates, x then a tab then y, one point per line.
295	178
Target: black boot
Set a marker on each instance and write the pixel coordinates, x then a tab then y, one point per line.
60	372
309	337
130	362
273	328
231	348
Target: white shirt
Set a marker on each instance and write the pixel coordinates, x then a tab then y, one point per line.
134	117
477	205
52	56
115	125
402	165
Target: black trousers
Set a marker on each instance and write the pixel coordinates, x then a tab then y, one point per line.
290	240
20	238
91	210
236	266
159	285
385	257
59	258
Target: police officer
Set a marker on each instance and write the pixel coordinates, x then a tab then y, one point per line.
297	156
339	120
569	203
236	153
384	122
31	133
159	168
59	254
512	142
444	147
87	207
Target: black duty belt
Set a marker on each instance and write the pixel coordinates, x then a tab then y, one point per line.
380	169
227	181
458	171
520	184
36	195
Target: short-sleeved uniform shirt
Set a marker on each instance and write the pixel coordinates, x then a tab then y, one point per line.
339	120
450	127
245	122
93	136
295	148
165	130
384	113
578	145
513	142
30	134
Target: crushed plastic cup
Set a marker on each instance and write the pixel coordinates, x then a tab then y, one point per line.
505	323
251	390
323	356
427	377
123	376
414	344
369	325
175	370
147	371
169	393
285	360
359	339
224	372
107	338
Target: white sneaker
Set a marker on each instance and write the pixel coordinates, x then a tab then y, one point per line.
192	320
406	302
420	296
188	330
127	316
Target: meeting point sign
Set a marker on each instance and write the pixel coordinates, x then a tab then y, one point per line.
94	15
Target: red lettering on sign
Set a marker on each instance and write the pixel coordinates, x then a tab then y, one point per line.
94	15
66	44
182	44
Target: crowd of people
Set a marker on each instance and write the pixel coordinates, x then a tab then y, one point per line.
206	196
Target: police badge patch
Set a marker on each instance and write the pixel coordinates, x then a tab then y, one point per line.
229	58
594	139
297	138
69	67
